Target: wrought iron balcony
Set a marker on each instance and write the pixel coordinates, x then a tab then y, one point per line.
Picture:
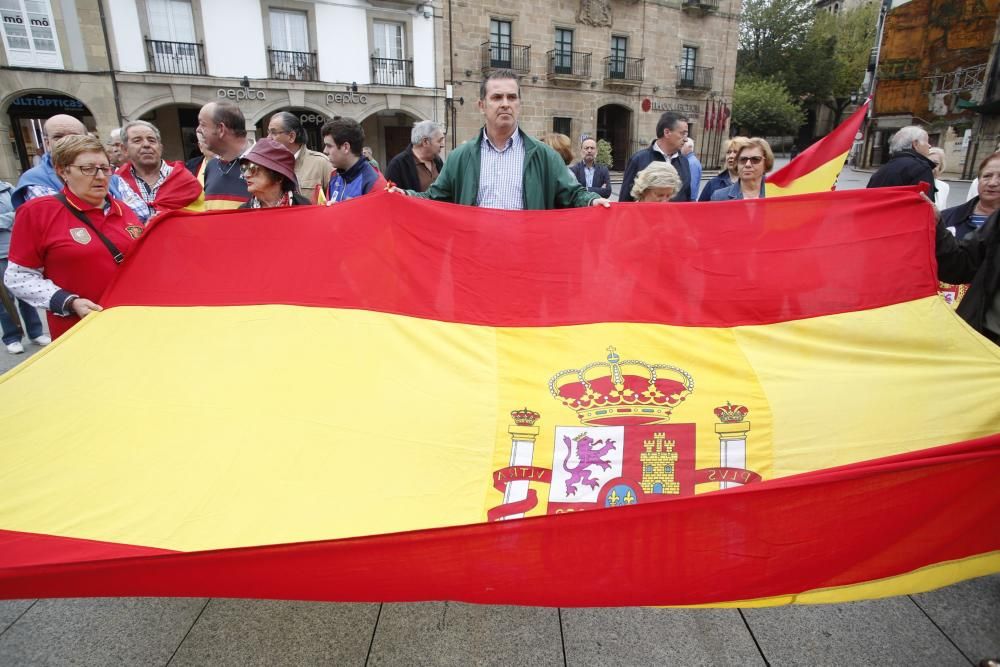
506	56
574	65
694	78
624	71
392	72
175	57
292	65
700	6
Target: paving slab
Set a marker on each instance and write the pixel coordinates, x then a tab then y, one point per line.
271	632
649	636
11	610
99	631
452	633
969	613
892	631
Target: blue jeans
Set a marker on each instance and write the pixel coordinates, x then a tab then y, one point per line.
28	314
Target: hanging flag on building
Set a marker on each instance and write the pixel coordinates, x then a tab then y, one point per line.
391	399
709	114
816	168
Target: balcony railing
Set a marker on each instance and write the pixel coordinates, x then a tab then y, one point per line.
567	64
618	69
694	78
392	72
506	56
701	6
175	57
292	65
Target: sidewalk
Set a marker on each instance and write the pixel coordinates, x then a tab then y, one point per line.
958	625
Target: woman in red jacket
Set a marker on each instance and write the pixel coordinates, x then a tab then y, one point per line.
65	248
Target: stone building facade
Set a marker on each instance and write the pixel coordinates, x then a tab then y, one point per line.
604	68
377	61
52	61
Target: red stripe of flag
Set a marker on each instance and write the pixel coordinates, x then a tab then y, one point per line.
672	263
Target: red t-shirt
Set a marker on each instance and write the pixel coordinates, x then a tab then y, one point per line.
48	236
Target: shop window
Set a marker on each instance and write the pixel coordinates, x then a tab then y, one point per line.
562	126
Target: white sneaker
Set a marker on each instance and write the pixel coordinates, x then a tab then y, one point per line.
15	347
42	340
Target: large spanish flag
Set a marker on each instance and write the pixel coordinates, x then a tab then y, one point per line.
816	168
757	402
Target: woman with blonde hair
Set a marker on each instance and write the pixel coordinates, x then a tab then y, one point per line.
754	159
562	145
656	183
727	176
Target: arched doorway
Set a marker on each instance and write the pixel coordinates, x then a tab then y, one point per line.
388	133
177	124
614	125
312	121
27	114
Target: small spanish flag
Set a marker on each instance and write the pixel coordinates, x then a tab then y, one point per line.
755	403
816	168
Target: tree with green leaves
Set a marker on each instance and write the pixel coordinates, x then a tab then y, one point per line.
851	36
765	107
603	153
774	34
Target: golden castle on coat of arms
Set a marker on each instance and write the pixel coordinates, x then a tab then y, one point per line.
659	460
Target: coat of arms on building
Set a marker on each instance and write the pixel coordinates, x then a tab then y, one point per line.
622	447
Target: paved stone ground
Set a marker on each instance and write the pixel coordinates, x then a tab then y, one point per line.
958	625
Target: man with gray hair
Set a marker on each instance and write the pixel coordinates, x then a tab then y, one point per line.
312	168
420	163
116	147
908	162
162	185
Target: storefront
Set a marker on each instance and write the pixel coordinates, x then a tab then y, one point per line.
28	112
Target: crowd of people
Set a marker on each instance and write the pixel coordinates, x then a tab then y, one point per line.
73	218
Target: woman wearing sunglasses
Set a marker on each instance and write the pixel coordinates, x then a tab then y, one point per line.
754	159
65	248
269	170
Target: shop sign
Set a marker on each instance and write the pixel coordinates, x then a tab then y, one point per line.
241	94
312	118
346	98
37	102
657	105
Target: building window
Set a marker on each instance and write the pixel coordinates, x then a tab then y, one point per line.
172	44
389	64
619	52
289	55
500	45
563	126
689	59
29	34
289	31
563	55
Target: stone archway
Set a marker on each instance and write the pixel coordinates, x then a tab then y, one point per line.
388	133
27	111
614	125
177	124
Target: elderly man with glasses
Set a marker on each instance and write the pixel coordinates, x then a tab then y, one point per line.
312	168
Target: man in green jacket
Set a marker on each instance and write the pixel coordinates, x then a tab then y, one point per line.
504	167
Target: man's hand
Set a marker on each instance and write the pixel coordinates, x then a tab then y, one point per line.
84	307
601	201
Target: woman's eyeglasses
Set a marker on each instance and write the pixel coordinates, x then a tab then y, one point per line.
91	170
755	159
249	169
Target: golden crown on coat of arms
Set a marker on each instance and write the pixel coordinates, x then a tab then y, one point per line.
617	392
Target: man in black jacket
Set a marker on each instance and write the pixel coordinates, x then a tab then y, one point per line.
671	131
417	166
595	177
908	163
